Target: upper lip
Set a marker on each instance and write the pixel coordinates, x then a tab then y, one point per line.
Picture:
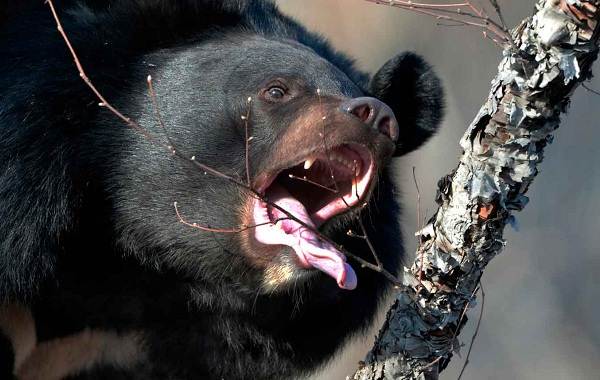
262	182
340	157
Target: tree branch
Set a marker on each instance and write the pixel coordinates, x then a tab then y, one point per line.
553	54
462	13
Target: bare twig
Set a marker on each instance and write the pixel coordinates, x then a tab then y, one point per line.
463	13
221	230
591	90
419	225
475	333
499	13
369	243
326	148
246	118
157	114
305	179
88	82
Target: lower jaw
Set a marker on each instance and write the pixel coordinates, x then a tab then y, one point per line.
285	276
274	227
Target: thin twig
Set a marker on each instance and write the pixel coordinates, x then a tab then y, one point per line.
498	10
461	13
88	82
431	364
247	142
221	230
589	89
128	121
305	179
157	114
475	333
369	243
419	224
325	147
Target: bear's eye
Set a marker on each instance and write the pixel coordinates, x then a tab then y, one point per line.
275	93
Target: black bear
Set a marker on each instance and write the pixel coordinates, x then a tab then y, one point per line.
227	257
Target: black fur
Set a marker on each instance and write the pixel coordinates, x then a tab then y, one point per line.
88	233
6	358
408	84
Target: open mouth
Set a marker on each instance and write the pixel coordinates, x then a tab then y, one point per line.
324	184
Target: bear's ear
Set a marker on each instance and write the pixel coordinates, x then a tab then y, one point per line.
410	87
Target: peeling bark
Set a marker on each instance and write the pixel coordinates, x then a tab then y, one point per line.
553	53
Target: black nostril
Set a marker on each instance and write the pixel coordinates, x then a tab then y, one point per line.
386	126
363	112
375	114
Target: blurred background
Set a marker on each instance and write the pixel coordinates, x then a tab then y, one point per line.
542	301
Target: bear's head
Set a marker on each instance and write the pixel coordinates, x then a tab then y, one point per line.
218	231
319	136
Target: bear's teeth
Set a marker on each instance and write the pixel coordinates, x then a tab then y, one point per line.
308	163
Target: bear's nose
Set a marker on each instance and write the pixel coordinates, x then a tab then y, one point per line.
375	114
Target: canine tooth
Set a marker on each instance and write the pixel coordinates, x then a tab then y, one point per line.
308	163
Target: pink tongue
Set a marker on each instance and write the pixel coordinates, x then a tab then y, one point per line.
312	251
